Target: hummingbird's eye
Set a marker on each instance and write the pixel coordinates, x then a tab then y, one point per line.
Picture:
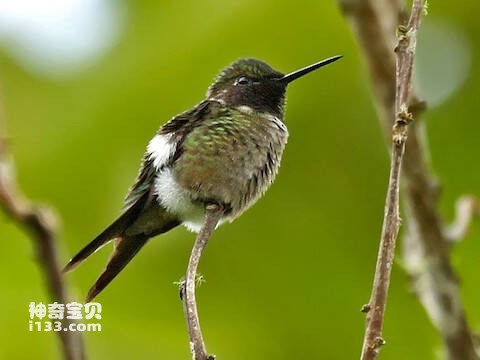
243	80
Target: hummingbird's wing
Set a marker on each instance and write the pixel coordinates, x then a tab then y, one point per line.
143	184
164	149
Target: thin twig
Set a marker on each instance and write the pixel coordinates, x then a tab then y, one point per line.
466	208
425	246
405	54
213	213
40	224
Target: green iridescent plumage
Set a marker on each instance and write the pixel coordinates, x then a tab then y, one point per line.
231	156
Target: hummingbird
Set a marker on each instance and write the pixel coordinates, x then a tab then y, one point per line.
226	150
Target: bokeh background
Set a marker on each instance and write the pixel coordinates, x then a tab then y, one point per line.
86	83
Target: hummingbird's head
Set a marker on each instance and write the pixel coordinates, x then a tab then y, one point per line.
253	83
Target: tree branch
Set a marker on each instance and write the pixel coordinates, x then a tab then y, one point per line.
213	213
425	245
40	224
405	51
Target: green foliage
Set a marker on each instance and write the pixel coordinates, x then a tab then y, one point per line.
290	276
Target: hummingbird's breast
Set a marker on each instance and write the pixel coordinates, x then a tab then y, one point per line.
231	158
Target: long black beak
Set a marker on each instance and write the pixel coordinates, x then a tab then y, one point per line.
296	74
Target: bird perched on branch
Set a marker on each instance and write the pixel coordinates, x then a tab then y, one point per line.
225	151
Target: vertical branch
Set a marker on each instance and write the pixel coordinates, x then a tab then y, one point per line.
40	224
427	242
213	213
376	308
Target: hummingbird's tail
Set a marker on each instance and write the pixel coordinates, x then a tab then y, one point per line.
131	231
110	233
125	249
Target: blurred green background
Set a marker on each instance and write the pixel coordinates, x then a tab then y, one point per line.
287	279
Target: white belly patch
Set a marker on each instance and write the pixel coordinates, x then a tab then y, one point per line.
177	201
